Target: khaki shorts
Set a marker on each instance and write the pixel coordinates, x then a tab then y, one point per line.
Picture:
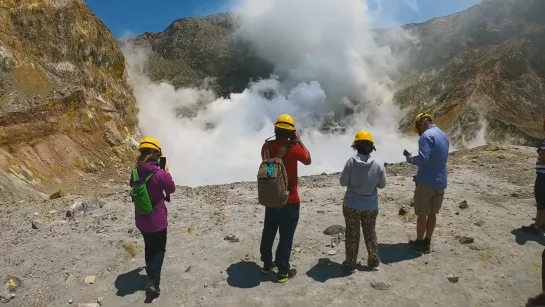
427	200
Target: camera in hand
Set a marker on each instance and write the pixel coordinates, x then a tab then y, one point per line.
162	162
406	153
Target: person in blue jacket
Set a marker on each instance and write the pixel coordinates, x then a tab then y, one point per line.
431	179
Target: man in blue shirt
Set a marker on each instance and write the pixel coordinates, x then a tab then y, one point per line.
431	179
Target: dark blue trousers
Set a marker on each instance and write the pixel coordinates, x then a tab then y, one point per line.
284	221
155	247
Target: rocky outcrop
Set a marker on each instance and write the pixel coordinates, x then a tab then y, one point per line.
202	50
64	103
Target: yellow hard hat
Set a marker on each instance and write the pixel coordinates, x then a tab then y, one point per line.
419	118
285	121
149	142
363	135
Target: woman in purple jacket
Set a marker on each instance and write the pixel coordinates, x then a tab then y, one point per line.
154	225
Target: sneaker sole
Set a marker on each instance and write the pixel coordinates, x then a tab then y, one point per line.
284	279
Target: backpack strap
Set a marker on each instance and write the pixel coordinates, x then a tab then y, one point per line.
135	175
282	151
149	177
267	154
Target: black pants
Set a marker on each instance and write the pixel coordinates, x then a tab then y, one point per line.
283	220
539	191
155	248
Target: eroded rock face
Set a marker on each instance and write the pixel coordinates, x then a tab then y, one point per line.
482	63
63	91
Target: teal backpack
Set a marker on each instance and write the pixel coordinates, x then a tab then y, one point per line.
139	194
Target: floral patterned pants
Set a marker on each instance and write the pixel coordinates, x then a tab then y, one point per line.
367	219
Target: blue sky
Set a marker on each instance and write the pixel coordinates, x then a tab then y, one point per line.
138	16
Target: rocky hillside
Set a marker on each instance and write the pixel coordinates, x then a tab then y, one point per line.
486	61
489	60
194	50
93	256
65	108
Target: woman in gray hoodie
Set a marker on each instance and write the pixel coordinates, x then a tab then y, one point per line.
362	175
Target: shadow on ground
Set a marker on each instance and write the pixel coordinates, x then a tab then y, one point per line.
326	269
392	253
131	282
246	275
522	237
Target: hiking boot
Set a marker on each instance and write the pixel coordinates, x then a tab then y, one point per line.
417	246
285	276
426	248
149	286
349	268
268	267
153	288
531	229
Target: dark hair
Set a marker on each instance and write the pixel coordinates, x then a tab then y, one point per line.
284	133
364	147
147	155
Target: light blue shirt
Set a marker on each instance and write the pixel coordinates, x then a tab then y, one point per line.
362	175
432	157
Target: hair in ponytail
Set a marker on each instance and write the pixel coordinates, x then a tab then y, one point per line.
147	155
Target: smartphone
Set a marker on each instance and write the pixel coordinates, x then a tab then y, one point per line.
405	152
162	162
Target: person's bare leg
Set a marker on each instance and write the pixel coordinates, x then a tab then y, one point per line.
540	217
430	225
421	225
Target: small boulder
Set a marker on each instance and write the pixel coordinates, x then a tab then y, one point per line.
56	195
403	210
453	278
35	224
332	252
380	285
477	247
90	279
334	230
231	238
492	147
463	205
479	223
466	240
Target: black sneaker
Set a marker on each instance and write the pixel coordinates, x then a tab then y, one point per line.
155	289
283	276
268	267
417	246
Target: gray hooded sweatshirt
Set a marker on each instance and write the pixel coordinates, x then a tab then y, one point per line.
362	175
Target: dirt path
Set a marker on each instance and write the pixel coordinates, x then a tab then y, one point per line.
501	268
